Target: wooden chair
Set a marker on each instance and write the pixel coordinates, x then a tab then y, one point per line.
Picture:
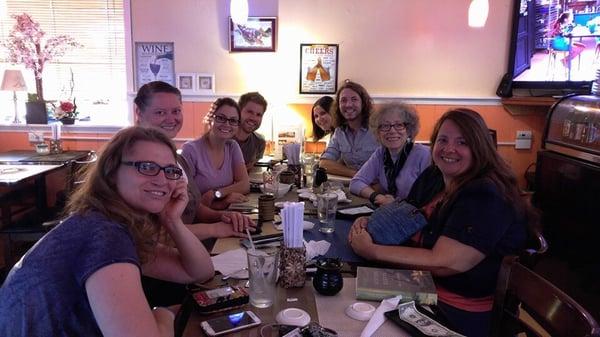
537	246
520	291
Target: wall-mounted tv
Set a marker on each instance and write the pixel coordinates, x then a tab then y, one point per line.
555	44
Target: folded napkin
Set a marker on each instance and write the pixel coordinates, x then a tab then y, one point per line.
230	261
316	248
378	317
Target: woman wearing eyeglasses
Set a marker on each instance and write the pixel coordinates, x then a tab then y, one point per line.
216	158
392	168
83	277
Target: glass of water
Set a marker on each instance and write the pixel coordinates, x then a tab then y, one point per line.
326	208
262	269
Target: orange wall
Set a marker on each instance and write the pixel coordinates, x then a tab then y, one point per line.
495	116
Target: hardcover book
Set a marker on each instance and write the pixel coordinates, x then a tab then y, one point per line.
375	284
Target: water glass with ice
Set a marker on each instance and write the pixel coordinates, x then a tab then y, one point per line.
262	268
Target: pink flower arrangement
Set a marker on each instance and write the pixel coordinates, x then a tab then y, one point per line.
65	109
27	44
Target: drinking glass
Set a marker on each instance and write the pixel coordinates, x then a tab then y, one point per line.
262	268
308	161
326	208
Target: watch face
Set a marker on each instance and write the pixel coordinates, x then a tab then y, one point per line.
218	194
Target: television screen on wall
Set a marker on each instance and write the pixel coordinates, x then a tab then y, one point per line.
555	44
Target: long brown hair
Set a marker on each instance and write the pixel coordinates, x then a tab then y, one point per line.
99	190
485	162
365	111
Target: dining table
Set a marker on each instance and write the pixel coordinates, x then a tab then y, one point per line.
18	168
327	311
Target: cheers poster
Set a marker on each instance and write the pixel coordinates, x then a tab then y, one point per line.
318	68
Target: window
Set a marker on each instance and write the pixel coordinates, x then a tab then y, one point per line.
98	68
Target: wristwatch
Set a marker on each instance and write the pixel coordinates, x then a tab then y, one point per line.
218	194
373	196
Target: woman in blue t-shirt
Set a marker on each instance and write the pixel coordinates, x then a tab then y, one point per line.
475	215
83	277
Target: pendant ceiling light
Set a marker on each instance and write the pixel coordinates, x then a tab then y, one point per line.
239	11
478	13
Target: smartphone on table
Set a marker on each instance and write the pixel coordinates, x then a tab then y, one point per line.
230	322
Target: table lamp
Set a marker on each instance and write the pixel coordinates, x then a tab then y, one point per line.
13	81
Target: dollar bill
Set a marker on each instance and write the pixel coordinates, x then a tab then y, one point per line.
409	313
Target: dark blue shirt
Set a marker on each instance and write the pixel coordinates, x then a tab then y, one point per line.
44	294
478	216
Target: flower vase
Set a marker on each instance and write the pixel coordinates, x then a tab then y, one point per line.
67	120
36	112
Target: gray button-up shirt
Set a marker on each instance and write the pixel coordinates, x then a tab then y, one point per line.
353	148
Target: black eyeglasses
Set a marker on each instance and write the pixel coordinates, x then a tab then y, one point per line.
150	168
222	120
388	127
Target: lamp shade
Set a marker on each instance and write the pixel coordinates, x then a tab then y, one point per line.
478	13
13	81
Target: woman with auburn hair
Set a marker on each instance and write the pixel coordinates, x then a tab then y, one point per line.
217	162
352	143
393	168
83	277
475	215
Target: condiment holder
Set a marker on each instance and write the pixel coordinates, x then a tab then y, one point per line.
328	279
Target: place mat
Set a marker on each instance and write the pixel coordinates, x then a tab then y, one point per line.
331	310
338	239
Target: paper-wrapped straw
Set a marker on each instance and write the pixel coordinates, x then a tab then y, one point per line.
55	127
250	239
293	217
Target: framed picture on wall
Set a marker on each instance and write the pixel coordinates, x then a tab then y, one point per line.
154	61
257	34
318	68
186	83
205	84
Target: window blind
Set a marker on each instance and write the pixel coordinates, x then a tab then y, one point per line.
98	67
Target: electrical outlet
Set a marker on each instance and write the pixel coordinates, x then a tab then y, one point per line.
35	137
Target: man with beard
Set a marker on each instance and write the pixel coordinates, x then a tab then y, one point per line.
253	106
351	144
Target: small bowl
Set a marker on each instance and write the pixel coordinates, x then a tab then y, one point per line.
293	316
281	190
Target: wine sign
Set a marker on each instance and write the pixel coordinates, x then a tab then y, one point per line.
154	61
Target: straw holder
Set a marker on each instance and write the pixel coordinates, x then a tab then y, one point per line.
291	267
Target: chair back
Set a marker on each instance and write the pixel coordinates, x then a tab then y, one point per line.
520	291
537	246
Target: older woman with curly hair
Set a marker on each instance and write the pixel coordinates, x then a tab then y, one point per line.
83	277
395	165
